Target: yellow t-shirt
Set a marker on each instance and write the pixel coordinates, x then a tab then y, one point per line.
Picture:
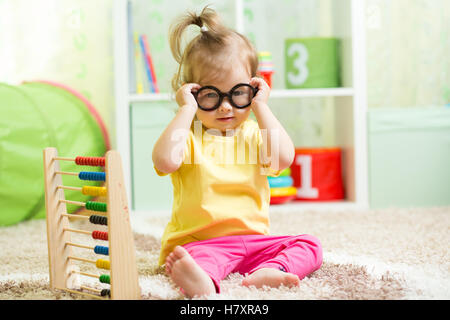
220	189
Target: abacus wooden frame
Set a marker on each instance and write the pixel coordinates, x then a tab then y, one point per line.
124	282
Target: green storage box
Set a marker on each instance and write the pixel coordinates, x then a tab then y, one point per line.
409	157
150	191
312	63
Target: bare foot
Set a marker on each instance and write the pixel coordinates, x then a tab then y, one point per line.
187	274
272	278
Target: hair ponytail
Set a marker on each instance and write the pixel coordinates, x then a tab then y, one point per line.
211	41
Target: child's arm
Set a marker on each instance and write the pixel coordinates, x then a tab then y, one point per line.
175	135
279	145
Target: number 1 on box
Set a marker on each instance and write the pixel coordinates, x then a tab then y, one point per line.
306	190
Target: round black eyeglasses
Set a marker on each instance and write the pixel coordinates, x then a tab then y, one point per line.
210	98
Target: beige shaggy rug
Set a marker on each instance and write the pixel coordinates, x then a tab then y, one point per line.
394	254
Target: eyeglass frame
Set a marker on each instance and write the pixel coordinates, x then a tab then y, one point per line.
225	94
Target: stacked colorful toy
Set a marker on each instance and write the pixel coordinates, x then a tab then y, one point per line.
265	66
281	188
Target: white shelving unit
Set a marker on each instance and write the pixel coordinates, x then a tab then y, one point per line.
350	102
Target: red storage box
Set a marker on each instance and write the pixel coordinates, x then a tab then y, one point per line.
317	174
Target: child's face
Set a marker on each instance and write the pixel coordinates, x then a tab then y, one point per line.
226	116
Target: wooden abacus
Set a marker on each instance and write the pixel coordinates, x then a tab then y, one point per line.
123	275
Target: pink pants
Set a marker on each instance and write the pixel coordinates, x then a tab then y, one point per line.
300	255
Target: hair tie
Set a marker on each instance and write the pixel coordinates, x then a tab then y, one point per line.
204	28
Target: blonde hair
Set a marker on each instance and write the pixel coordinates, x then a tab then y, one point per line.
216	49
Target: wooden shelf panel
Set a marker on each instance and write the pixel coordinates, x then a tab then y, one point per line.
295	206
276	93
319	92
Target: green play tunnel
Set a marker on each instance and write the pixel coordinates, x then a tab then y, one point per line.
33	116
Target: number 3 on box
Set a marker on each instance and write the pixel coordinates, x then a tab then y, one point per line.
302	73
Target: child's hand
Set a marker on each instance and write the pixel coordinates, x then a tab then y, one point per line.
184	95
263	91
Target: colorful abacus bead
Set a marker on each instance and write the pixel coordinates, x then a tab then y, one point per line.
96	206
105	292
95	219
92	176
102	264
101	250
100	235
94	191
104	278
90	161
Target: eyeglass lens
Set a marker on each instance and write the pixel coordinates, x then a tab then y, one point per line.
209	98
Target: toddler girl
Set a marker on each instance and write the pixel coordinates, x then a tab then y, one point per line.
219	160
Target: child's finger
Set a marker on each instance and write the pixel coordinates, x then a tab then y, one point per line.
184	94
195	87
258	83
254	81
